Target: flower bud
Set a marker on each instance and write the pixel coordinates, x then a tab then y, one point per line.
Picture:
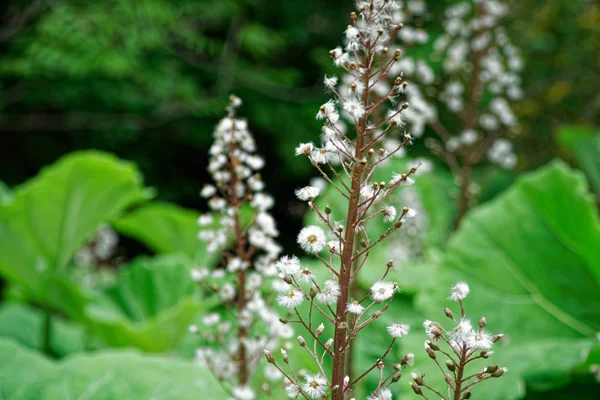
467	395
433	345
287	279
390	264
450	365
327	210
430	353
328	344
416	389
285	357
417	378
408	359
283	320
301	341
448	378
313	292
482	322
497	337
320	330
499	372
491	369
448	313
269	356
396	377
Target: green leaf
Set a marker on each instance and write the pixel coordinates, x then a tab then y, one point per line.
24	325
5	193
584	143
166	228
149	307
110	375
53	214
531	258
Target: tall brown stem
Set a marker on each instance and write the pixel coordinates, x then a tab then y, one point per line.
459	376
242	359
470	118
340	337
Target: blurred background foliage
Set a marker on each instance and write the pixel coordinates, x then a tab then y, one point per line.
148	80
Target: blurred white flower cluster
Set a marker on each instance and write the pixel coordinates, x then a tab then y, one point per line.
241	228
482	79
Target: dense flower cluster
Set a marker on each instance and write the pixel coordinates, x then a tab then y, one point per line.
465	344
473	36
240	227
348	159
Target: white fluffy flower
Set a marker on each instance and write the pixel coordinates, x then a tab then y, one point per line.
272	373
305	276
354	108
459	291
292	391
315	386
389	213
462	331
398	330
354	308
381	394
198	275
324	154
227	292
311	239
211	319
307	193
205	220
381	290
335	246
304	149
330	81
411	213
243	393
480	340
328	111
329	292
291	299
288	265
262	201
208	191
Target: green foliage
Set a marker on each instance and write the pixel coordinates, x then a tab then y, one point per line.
149	307
110	375
51	216
165	228
531	259
24	325
584	144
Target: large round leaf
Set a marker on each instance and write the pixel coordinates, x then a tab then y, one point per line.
51	216
110	375
531	258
